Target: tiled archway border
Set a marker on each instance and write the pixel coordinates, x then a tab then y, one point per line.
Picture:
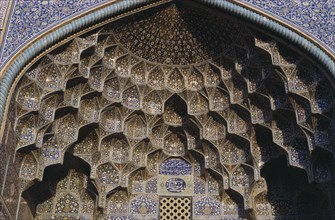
22	61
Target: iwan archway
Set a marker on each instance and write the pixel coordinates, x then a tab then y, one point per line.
171	111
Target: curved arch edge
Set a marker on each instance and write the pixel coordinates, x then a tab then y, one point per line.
15	66
11	72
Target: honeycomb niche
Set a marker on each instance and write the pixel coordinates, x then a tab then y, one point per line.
174	112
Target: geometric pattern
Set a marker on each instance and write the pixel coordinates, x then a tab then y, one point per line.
314	17
175	102
175	208
30	18
66	204
3	10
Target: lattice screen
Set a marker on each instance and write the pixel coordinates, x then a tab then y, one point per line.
178	208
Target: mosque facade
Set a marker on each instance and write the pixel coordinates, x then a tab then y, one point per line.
167	109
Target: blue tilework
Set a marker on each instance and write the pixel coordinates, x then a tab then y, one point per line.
314	17
175	166
58	34
150	204
151	186
29	18
213	207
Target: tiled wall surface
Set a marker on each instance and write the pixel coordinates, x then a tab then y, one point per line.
28	18
314	17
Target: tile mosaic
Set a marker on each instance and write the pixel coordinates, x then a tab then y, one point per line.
314	17
3	213
29	18
175	167
4	7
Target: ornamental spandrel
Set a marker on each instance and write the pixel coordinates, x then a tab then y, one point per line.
175	111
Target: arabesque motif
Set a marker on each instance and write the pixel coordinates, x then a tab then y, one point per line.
176	91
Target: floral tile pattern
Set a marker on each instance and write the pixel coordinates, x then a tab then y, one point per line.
29	18
3	10
149	123
315	17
